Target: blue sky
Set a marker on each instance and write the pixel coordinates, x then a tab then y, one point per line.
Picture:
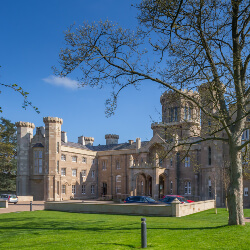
31	38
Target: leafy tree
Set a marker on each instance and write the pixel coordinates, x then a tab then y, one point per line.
191	44
8	164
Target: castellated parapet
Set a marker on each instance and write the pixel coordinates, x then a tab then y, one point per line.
89	140
25	124
111	139
52	120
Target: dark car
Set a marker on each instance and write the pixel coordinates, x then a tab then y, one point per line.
140	199
168	199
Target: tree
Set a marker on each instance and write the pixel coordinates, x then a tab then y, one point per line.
195	44
8	163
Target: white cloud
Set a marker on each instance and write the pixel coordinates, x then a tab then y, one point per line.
62	81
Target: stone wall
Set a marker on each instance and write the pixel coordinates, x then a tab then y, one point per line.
175	209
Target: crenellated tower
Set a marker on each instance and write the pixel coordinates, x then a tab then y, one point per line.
24	136
52	157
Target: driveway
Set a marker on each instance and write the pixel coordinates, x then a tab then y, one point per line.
23	206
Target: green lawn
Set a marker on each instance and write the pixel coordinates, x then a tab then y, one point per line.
62	230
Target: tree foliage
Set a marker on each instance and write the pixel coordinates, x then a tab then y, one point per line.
8	164
192	44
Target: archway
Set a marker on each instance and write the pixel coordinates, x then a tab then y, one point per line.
141	184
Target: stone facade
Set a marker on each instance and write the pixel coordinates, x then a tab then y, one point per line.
53	169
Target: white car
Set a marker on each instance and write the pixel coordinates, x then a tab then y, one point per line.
12	198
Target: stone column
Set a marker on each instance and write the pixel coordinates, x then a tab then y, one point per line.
24	136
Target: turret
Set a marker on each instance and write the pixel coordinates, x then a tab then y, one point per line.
111	139
24	136
52	155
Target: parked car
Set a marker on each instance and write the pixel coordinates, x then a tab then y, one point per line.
170	198
140	199
12	198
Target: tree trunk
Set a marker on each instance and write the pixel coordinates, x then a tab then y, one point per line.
235	191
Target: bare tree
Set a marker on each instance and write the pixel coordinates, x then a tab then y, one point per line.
192	44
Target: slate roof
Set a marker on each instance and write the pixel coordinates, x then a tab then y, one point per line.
104	147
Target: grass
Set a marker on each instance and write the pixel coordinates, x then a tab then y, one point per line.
62	230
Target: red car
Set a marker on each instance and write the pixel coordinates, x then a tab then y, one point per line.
169	199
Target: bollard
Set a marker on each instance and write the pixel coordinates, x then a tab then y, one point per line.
143	233
30	206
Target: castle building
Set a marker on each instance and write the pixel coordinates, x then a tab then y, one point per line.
173	162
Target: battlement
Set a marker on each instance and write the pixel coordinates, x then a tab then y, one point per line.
89	138
158	124
52	120
25	124
172	95
111	136
111	139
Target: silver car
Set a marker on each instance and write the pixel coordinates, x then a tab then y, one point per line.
11	198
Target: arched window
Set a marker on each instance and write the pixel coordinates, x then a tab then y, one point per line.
209	156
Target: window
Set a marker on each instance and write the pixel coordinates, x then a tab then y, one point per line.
38	162
84	173
93	173
73	189
63	189
104	165
245	135
83	189
118	184
63	171
209	156
57	167
171	162
187	162
92	189
74	172
118	165
160	162
63	157
173	114
246	191
93	161
187	113
209	189
57	147
187	187
58	191
84	160
74	158
171	187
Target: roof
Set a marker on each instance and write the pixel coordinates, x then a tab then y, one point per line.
104	147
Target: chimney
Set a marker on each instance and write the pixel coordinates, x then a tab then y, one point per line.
130	142
138	143
111	139
64	136
81	140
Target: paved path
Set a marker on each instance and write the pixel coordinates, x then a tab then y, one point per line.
23	206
